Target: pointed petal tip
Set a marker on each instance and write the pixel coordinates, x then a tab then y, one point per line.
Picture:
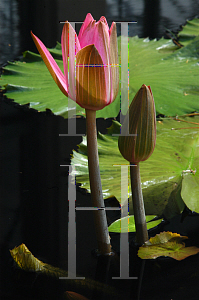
150	90
113	26
51	64
89	16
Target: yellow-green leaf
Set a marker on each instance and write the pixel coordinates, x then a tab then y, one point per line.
166	244
27	262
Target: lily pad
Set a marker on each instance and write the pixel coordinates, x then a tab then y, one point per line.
171	72
162	175
129	224
172	77
28	81
166	244
189	31
28	262
190	191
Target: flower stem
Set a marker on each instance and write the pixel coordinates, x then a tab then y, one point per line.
138	205
101	227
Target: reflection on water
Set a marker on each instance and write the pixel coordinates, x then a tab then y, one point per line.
9	33
153	16
19	17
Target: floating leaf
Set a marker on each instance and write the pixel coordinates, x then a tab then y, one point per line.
190	190
162	175
175	93
166	244
74	296
164	237
27	262
189	31
28	81
128	224
171	72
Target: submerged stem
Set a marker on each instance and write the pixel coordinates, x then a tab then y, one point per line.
101	227
138	205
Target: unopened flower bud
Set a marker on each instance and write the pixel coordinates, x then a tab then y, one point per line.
138	135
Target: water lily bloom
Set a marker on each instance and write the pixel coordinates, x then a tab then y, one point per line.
91	72
141	123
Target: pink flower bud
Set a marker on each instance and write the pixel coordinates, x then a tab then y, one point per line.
96	82
141	123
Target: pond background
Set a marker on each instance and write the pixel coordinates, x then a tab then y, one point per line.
34	201
18	18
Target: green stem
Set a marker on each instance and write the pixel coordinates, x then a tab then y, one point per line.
101	227
138	205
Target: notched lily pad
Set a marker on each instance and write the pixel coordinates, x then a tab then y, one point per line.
189	31
166	244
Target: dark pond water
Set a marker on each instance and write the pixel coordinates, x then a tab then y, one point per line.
34	188
43	17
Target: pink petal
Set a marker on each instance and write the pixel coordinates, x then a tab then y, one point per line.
105	41
90	80
103	19
87	36
98	34
101	42
112	28
95	33
70	47
87	21
51	65
114	63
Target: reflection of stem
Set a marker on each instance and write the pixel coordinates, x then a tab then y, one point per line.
101	275
101	227
138	205
140	279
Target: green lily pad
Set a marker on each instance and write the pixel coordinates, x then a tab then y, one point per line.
129	224
162	175
190	29
171	72
166	244
190	191
28	81
189	32
173	77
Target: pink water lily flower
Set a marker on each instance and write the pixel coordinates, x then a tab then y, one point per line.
96	82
